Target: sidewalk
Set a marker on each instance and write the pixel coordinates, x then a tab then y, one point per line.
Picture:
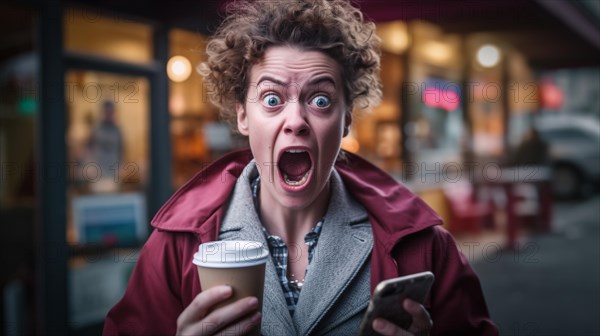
550	284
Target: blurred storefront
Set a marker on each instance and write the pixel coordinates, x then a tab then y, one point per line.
82	175
463	85
448	101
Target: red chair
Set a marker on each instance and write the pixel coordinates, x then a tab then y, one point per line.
467	213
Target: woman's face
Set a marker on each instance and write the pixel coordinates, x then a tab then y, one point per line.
294	116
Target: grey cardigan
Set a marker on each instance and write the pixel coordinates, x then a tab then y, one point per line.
336	291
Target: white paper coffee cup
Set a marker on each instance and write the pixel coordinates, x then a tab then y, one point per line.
239	264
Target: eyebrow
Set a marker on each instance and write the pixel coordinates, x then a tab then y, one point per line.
320	80
270	79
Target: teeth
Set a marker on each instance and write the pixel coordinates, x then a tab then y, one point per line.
296	183
293	151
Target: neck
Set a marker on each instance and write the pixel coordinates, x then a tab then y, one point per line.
292	224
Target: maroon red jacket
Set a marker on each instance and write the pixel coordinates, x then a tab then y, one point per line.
407	236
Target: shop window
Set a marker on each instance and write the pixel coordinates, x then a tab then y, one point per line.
197	135
379	132
107	147
113	36
487	118
435	127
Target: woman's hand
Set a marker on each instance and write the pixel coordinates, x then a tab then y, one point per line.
236	318
421	322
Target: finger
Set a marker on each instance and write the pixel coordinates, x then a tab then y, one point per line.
202	303
242	327
224	316
387	328
421	321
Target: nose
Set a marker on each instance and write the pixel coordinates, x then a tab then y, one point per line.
295	120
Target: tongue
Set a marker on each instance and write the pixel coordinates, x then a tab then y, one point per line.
294	165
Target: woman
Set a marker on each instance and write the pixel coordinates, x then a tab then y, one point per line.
288	74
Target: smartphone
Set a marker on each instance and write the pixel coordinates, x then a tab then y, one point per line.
388	298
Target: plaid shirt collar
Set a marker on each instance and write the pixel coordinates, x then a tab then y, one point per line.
279	252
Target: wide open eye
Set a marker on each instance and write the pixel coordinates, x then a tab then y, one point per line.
271	100
321	101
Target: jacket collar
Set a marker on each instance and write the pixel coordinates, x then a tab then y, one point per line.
394	210
193	206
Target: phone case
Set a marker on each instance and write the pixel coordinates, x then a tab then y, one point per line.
388	297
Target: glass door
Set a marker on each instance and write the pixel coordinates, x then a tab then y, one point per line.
110	87
107	137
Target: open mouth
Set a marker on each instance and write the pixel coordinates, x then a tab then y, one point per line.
295	166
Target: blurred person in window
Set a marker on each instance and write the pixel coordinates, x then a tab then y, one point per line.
288	75
106	149
532	151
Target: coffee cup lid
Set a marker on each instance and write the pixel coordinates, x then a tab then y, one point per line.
230	254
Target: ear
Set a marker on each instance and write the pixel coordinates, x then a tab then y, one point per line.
242	119
347	122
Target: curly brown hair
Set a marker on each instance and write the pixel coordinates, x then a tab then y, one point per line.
333	27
